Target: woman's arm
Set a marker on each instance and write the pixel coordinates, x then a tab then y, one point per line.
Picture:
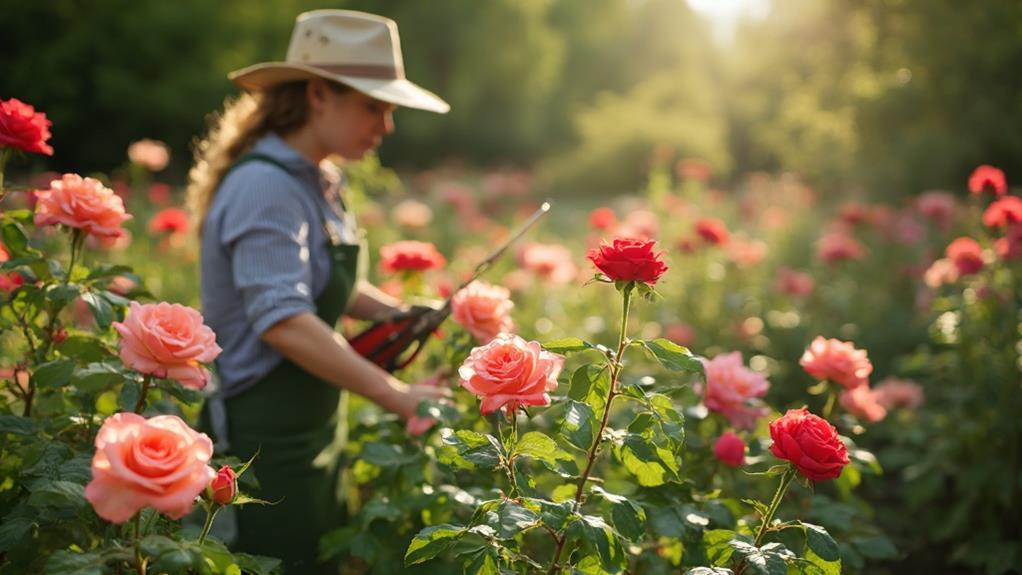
370	302
310	343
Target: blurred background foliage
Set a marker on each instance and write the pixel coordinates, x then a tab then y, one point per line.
890	96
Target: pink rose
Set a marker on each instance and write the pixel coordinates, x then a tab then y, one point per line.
160	463
483	309
864	403
893	392
412	214
712	230
937	206
551	262
966	254
81	203
224	487
153	155
733	389
838	246
730	449
838	361
941	272
510	371
168	341
746	253
794	283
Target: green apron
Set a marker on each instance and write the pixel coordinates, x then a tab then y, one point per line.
297	424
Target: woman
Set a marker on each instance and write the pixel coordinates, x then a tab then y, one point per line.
280	264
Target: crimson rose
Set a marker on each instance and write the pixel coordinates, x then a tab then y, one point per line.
629	260
810	443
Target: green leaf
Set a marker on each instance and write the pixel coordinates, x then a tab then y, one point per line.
61	295
466	449
567	345
650	464
773	471
759	506
97	377
877	547
539	446
16	525
629	518
15	239
432	541
594	534
184	394
100	307
70	563
85	348
821	565
483	563
53	374
130	392
17	425
108	270
866	460
578	425
821	542
257	564
511	519
58	494
590	384
673	356
717	545
768	560
170	556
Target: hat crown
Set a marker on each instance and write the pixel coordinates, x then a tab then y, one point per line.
346	38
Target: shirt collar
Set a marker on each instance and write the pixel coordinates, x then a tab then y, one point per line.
274	146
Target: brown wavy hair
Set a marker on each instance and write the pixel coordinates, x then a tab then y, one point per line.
281	109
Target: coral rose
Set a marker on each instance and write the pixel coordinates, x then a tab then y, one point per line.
794	283
152	155
412	214
730	449
602	219
160	463
81	203
837	361
629	260
810	443
23	128
712	230
838	246
864	403
940	272
511	372
937	206
1003	212
169	220
410	255
168	341
224	487
551	262
733	389
893	392
966	254
483	309
988	177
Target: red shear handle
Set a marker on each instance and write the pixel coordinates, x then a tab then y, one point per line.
384	342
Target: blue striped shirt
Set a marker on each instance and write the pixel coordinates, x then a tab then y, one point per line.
264	256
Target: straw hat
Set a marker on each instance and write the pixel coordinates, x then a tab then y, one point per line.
354	48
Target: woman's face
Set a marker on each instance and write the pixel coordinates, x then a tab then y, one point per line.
349	123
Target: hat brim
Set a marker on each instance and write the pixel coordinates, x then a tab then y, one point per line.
400	92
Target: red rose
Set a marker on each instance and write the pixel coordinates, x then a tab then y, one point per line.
985	177
810	443
169	220
629	260
602	219
730	449
224	487
712	230
1003	212
410	255
966	255
23	128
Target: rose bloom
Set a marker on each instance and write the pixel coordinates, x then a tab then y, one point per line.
460	197
169	220
510	372
483	309
854	213
602	219
629	260
937	206
81	203
1010	246
412	214
121	285
837	361
693	169
733	390
794	283
224	487
640	225
966	254
712	230
941	272
746	253
864	403
810	443
551	262
410	255
152	155
893	392
730	449
23	128
168	341
1003	212
160	463
838	246
10	281
680	333
988	177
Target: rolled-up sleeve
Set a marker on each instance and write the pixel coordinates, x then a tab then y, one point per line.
267	235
